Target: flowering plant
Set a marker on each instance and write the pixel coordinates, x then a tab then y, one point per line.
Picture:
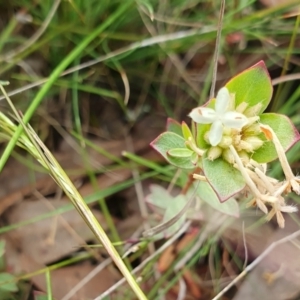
230	142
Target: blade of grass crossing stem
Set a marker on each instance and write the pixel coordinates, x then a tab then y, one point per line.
77	124
62	179
56	73
147	163
84	155
89	199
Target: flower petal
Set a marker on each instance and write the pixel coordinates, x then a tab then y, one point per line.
215	133
234	119
203	115
222	101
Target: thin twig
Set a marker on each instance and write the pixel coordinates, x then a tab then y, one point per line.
96	270
257	261
67	226
281	79
182	290
87	278
183	229
245	246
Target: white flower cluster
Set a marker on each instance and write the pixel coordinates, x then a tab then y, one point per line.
219	118
235	147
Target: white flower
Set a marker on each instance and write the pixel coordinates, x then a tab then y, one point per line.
219	117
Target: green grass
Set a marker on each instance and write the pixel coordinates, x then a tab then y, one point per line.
92	50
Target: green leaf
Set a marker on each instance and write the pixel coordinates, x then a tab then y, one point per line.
7	283
169	206
159	197
252	86
174	208
223	177
174	126
286	132
186	131
167	141
180	152
208	195
201	129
